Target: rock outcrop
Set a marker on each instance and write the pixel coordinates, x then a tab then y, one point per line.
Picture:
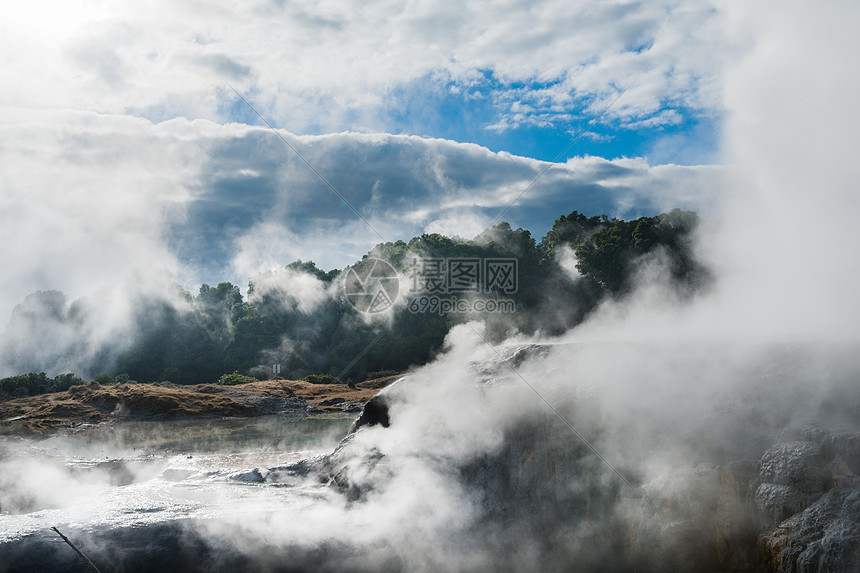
796	509
808	494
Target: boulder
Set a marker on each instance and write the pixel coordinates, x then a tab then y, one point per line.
823	538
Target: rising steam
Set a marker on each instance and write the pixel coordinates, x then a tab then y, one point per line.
551	454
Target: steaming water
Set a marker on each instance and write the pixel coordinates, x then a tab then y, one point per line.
139	474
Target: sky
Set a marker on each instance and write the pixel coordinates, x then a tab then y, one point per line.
207	140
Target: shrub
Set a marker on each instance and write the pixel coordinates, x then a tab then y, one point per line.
63	382
234	378
103	379
37	383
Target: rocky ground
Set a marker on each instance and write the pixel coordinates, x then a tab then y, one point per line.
94	403
795	509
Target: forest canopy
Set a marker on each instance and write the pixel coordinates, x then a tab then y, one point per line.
298	317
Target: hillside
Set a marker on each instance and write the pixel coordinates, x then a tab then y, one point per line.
164	332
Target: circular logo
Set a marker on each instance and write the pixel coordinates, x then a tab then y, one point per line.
371	285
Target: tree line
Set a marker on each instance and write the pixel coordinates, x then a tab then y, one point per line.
190	339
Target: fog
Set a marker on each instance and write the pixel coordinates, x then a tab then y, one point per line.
657	384
546	454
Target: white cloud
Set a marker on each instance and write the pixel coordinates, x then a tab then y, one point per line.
566	258
266	246
88	197
293	287
92	190
791	227
465	224
333	66
782	238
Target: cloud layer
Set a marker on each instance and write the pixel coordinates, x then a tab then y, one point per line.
338	65
89	198
119	150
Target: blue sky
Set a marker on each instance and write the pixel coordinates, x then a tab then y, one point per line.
476	111
426	117
446	110
471	114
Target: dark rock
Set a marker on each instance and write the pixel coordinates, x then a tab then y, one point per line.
273	405
794	474
375	412
211	389
808	493
824	537
180	546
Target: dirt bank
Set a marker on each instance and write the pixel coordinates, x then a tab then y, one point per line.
93	403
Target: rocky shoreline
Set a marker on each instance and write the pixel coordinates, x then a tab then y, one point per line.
100	404
790	504
796	509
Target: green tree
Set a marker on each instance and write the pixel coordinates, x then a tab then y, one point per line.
608	256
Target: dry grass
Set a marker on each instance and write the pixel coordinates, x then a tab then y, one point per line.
135	401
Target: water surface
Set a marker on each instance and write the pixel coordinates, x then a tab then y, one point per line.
141	473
